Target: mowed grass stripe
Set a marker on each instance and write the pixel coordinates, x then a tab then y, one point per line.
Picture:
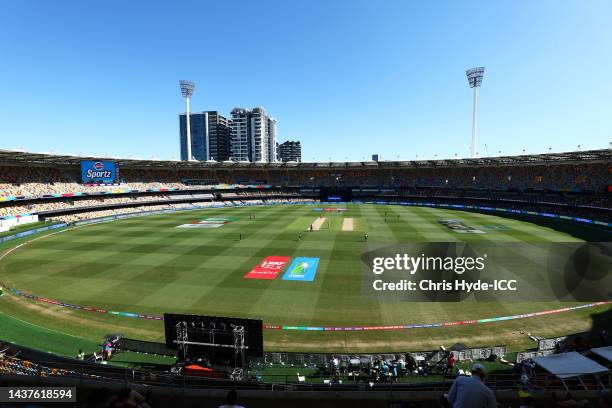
402	224
430	228
516	230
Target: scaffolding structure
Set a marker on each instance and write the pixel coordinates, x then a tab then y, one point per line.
183	342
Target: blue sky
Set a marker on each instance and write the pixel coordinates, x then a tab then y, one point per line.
347	78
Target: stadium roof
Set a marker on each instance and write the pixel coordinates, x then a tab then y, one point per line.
26	158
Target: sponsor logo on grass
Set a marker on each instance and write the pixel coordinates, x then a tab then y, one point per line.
302	269
460	227
210	222
220	219
201	225
269	268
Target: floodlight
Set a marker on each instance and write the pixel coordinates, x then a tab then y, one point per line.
187	88
474	76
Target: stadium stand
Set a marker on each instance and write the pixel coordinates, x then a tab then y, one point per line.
22	366
575	184
34	175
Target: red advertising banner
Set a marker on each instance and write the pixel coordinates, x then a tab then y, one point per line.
268	268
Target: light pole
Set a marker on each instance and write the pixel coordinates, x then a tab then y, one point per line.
187	88
474	76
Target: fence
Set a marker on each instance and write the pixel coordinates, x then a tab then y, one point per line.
344	381
430	356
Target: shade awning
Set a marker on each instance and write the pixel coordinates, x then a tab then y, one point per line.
603	352
568	365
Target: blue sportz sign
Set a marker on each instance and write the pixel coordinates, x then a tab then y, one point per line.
99	172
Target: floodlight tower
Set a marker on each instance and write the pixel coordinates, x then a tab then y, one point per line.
474	76
187	88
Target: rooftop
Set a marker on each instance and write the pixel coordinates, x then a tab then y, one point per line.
12	157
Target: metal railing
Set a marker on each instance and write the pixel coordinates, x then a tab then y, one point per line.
292	382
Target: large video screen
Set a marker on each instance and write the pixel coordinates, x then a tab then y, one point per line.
99	172
331	194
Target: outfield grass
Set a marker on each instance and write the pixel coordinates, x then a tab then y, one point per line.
147	265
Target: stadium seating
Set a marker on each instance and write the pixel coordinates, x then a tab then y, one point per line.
58	178
561	185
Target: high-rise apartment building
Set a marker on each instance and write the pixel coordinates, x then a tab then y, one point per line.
253	135
219	136
210	136
199	144
272	143
290	151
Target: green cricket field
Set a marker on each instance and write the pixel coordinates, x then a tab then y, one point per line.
196	261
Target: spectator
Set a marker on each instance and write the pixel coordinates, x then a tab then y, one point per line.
471	392
231	400
108	350
450	362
